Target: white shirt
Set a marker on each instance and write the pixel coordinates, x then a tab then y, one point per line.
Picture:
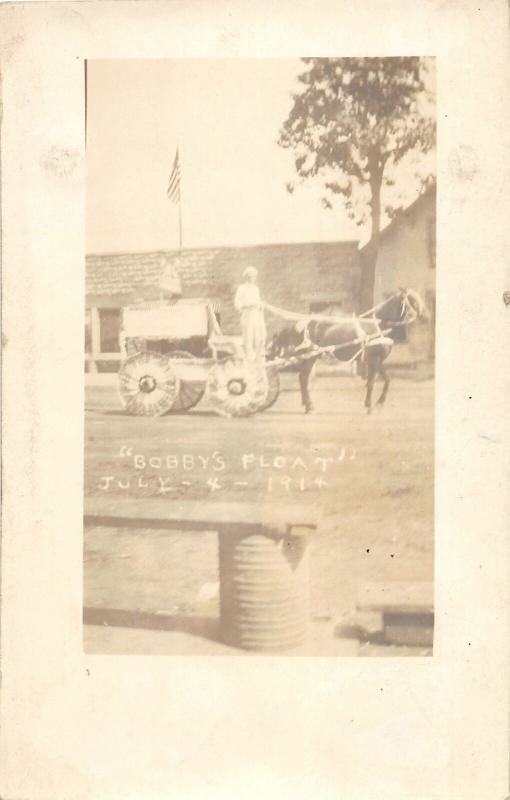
247	296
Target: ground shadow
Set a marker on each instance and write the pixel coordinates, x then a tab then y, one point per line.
121	412
376	637
317	413
105	412
205	627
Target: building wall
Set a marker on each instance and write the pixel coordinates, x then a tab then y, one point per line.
291	278
294	277
407	258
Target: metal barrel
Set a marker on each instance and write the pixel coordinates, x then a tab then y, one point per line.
264	590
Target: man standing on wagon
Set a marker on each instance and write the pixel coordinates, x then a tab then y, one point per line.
247	301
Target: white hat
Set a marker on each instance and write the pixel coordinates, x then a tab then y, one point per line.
250	271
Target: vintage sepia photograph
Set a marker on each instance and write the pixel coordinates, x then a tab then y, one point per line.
255	308
259	356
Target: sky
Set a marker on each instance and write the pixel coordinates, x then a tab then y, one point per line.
225	116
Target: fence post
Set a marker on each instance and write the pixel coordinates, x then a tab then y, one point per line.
95	337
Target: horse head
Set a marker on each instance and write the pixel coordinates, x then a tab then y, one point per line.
414	305
405	305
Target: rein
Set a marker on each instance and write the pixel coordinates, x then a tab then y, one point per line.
410	314
363	339
297	317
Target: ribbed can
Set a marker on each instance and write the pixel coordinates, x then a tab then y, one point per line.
264	591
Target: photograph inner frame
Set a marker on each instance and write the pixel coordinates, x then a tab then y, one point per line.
259	357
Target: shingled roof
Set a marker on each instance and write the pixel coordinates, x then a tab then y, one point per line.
125	274
121	273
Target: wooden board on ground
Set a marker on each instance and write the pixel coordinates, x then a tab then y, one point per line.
197	516
405	609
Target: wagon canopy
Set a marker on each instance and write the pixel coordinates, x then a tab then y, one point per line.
181	320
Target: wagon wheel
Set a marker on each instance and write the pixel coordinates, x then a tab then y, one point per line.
192	381
148	385
237	388
273	388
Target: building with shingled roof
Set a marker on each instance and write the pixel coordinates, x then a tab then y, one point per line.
298	277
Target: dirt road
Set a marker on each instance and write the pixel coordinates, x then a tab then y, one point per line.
372	476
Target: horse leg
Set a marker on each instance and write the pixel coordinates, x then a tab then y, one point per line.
372	369
304	381
385	377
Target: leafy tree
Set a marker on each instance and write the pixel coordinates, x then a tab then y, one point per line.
351	124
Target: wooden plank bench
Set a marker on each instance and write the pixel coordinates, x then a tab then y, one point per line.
405	610
263	560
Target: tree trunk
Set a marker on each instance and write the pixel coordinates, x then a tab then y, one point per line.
371	249
367	281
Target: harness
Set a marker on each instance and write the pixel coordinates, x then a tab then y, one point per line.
363	339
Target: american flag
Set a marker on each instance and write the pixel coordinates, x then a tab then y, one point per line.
174	183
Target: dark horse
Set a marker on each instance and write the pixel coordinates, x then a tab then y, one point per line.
373	338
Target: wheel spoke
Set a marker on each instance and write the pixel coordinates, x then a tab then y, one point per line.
148	385
236	388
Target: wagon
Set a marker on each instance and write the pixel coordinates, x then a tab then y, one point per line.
173	354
